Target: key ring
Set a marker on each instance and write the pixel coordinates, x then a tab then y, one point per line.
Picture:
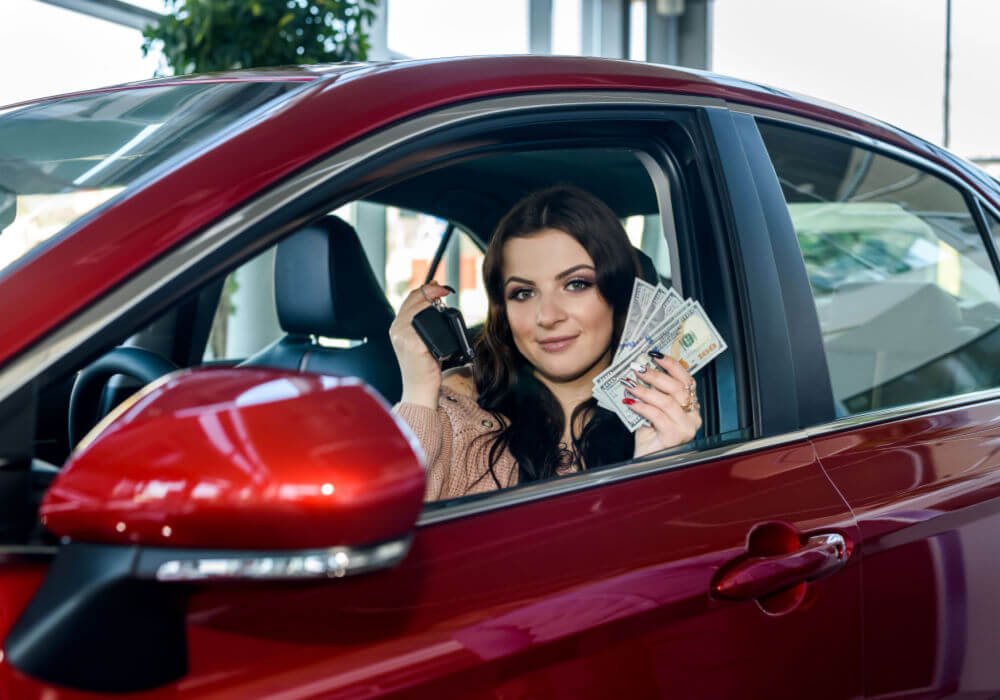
437	303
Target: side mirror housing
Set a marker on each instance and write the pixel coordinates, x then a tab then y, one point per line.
215	473
242	459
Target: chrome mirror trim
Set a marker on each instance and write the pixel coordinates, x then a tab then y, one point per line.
335	562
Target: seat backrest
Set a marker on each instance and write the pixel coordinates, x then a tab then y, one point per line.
324	288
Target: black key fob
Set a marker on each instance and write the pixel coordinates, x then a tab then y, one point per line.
443	331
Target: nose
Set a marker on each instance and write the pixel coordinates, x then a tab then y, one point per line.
550	312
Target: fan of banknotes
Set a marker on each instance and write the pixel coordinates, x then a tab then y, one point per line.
658	319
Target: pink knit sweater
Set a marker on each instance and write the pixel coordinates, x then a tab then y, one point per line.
458	463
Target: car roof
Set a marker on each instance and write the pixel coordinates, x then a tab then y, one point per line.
529	72
335	105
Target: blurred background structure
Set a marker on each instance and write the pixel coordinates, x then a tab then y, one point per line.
886	58
926	66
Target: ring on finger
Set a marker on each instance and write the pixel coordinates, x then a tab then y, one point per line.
435	302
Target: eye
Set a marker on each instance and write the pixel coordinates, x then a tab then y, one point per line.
520	293
578	284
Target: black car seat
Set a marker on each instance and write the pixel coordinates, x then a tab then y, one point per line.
649	273
324	288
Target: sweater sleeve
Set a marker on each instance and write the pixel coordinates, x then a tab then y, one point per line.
434	431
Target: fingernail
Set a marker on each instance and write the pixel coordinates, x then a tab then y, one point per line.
627	401
655	353
448	288
627	382
641	369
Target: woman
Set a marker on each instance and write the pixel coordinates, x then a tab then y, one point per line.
558	273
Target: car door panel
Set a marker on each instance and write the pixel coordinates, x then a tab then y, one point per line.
926	491
917	461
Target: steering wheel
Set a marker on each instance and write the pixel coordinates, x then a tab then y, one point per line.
85	398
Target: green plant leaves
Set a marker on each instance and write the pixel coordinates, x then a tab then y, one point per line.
202	36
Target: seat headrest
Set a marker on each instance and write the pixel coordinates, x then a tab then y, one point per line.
323	284
649	273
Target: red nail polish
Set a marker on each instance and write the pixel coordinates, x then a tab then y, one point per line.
627	401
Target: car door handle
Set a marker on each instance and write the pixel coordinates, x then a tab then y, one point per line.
757	577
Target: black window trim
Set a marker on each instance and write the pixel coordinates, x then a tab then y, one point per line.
980	208
751	244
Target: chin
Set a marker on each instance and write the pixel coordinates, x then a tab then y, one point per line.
565	370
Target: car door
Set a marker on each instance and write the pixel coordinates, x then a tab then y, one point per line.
902	276
725	570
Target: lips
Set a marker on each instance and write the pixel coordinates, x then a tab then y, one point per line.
557	344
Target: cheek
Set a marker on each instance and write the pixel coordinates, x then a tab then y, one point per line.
520	320
598	315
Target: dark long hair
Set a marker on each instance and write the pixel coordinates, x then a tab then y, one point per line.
530	418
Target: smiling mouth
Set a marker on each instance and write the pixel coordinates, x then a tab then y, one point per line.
557	344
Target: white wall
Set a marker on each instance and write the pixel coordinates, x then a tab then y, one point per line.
881	57
47	50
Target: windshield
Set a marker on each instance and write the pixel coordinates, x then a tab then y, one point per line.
62	158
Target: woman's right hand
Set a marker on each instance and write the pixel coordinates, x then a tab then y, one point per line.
420	369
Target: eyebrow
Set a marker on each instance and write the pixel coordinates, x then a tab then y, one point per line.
564	273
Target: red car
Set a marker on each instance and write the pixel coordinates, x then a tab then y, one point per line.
250	522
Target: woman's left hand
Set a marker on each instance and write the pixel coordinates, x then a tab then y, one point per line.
669	404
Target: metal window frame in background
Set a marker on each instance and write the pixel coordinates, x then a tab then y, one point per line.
116	11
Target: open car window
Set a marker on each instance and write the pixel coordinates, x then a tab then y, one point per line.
399	232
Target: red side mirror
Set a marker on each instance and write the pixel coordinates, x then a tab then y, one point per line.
242	459
236	473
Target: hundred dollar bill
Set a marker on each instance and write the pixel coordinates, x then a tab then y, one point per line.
697	342
687	335
665	304
609	388
635	321
642	295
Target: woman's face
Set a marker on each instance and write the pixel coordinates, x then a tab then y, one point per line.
560	322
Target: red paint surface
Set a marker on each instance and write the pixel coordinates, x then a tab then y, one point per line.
324	116
926	492
242	458
600	593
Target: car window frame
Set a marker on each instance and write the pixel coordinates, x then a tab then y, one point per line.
980	208
972	199
343	176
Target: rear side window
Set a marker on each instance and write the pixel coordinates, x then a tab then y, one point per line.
908	301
